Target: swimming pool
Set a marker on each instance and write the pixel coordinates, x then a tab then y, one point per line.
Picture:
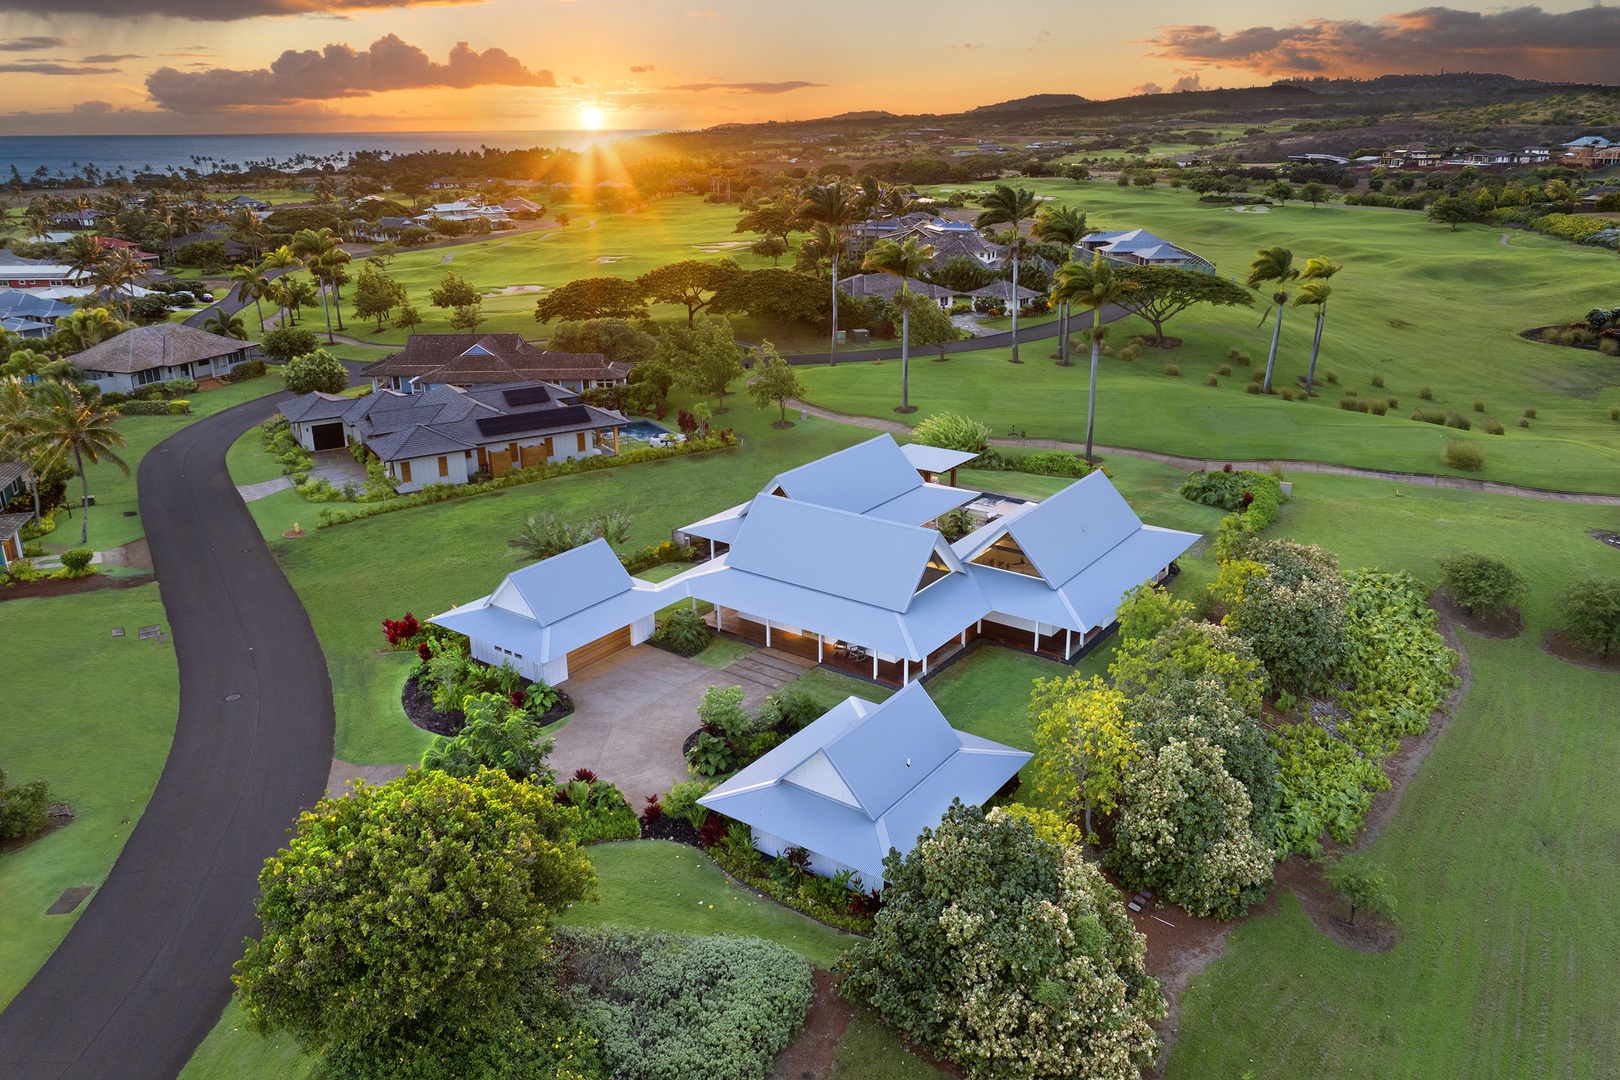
643	430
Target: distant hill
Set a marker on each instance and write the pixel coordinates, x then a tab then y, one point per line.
1033	101
865	114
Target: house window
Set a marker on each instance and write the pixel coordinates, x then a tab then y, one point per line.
150	375
444	466
405	471
1005	554
581	435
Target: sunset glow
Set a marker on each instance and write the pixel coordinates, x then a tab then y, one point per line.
590	118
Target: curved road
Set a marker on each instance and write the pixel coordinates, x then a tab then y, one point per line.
144	975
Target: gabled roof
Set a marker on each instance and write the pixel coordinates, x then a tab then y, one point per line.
316	406
865	778
935	459
888	286
856	478
558	604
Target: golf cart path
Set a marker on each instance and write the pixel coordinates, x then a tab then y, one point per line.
1191	464
145	973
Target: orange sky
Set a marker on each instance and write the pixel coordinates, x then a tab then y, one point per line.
128	66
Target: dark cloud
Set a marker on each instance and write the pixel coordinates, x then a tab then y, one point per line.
30	44
54	69
1525	41
642	69
211	10
110	58
338	71
748	87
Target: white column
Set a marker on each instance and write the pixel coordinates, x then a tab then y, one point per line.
963	639
905	670
874	666
719	613
819	640
1037	637
767	633
925	666
1068	643
711	549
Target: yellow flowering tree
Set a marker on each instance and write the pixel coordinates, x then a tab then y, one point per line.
1082	744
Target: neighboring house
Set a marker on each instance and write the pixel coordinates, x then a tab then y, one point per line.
1138	247
467	360
872	230
13	481
861	780
52	237
30	314
1593	195
517	204
245	201
17	272
446	434
235	251
77	219
554	617
1535	155
11	545
1319	159
1003	293
111	243
1583	151
887	286
951	239
152	354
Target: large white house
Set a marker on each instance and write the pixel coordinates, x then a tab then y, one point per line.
839	561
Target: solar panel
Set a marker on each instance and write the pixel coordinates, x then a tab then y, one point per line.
526	395
534	420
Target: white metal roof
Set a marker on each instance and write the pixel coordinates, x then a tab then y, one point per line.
856	478
935	459
866	778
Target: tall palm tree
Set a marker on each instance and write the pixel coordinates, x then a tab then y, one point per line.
281	259
81	254
315	248
69	425
1010	206
117	273
1273	264
90	326
1093	286
226	325
19	420
903	260
1314	293
834	207
1063	226
249	229
249	283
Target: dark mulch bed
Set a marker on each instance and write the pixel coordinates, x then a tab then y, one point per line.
1503	627
1612	539
1535	334
669	828
418	704
57	815
70	586
1561	645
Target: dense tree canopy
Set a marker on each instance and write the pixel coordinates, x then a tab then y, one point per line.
1163	292
593	298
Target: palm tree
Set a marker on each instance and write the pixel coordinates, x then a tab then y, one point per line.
249	283
19	420
1009	206
81	254
316	248
69	425
90	326
903	260
832	206
1063	226
117	273
226	325
1092	286
282	259
249	229
1273	264
1314	293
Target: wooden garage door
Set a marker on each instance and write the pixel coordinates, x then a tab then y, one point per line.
600	649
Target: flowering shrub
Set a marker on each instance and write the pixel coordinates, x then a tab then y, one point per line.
400	632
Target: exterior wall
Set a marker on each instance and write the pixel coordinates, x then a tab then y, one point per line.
642	629
123	383
425	471
530	668
1018	622
820	864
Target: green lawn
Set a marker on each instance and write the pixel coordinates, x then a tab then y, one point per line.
1417	305
1501	852
115	492
986	692
249	462
93	715
233	1052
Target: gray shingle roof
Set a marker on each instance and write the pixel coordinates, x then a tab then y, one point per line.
162	345
475	359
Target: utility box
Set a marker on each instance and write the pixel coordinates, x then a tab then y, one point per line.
843	337
861	336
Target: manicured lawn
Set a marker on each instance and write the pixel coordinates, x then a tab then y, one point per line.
428	559
115	492
1417	305
986	693
93	715
722	652
233	1052
1501	851
249	462
869	1051
831	687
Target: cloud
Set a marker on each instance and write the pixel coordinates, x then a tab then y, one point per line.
54	69
1524	41
111	58
30	44
642	69
211	10
1188	84
747	87
1147	88
338	71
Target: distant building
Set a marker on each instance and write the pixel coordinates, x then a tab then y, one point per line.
1138	247
469	360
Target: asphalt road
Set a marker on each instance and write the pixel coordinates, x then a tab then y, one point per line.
145	974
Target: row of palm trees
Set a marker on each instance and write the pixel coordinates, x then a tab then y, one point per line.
269	278
48	423
1275	266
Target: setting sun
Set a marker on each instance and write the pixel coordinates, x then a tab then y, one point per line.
590	118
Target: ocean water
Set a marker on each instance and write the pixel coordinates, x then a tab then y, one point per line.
132	154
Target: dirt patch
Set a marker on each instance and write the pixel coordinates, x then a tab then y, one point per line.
418	704
135	555
71	586
1563	647
1329	914
1503	627
810	1055
673	829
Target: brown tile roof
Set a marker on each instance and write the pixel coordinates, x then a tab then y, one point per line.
477	359
161	345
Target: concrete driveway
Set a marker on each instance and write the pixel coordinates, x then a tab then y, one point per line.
632	712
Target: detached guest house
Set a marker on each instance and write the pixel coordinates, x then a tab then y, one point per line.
446	434
839	561
153	354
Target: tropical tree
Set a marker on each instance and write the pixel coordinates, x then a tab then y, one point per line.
225	324
249	283
376	294
775	383
704	356
1166	291
1275	265
932	325
903	260
408	318
1093	287
1363	884
86	327
592	298
317	249
690	283
1082	744
68	426
117	273
1010	206
831	209
282	259
248	228
81	254
1314	293
1062	226
19	425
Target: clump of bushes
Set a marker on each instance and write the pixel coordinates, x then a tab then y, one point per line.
1614	412
1492	426
1237	491
1210	380
677	1007
1286	393
1529	413
657	555
1350	403
1429	416
1458	420
1591	614
1464	455
729	738
1378	406
1479	405
1426	394
1252	388
24	808
1224	369
1172	370
1055	463
952	431
683	632
1238	356
1481	584
76	563
1378	381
